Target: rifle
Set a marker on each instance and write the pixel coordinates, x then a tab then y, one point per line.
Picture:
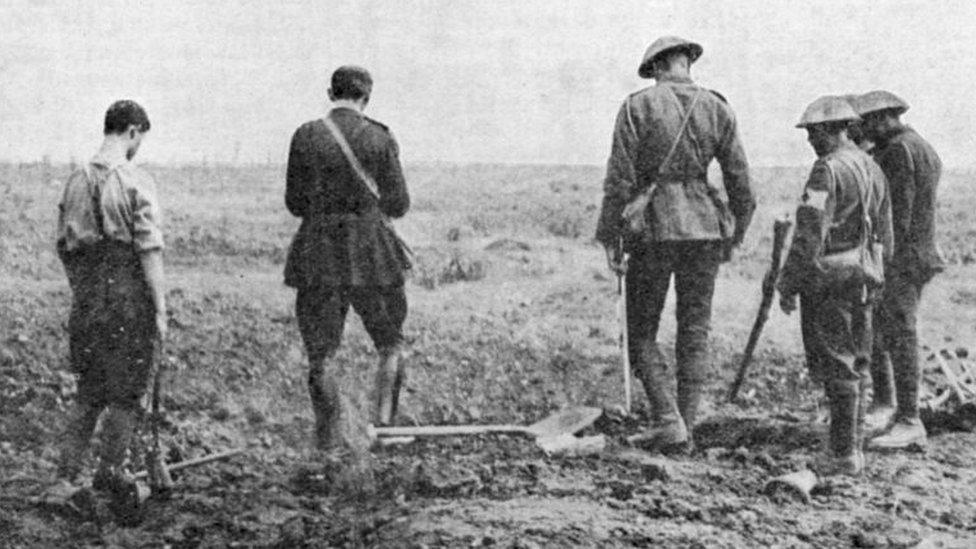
781	228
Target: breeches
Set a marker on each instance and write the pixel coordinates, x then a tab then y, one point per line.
837	335
322	313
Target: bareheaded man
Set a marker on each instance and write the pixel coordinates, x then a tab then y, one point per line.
110	243
913	170
835	320
344	181
660	208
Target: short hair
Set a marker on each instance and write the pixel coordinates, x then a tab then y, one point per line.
125	113
351	82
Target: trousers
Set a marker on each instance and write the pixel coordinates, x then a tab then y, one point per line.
694	266
321	313
837	337
894	361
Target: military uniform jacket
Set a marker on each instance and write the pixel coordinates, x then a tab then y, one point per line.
829	217
684	206
913	170
342	240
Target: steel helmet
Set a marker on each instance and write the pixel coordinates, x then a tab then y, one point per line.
829	108
663	45
879	100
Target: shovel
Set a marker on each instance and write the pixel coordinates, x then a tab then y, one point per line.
568	421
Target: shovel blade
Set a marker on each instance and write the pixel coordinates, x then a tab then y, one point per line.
565	422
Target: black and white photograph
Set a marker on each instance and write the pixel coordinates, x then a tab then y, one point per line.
516	274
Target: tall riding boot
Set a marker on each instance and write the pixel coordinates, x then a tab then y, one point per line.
117	430
667	431
119	426
76	440
324	392
882	407
843	458
692	371
689	400
389	376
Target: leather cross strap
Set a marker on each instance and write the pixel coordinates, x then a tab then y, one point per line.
686	116
364	176
351	157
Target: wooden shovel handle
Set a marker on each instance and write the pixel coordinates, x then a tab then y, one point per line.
447	430
195	462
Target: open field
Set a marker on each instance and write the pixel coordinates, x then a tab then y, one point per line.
512	316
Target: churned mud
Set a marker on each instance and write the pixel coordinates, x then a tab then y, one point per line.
512	318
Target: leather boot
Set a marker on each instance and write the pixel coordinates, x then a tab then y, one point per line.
689	400
324	392
667	432
386	391
76	441
117	430
843	457
881	411
901	435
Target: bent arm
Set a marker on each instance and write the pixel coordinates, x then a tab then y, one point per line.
901	185
620	181
394	197
152	268
147	239
297	176
731	157
813	216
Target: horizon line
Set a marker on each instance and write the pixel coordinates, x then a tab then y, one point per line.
256	163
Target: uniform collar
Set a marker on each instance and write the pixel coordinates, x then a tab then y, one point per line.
343	109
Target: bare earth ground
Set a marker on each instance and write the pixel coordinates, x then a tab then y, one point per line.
512	317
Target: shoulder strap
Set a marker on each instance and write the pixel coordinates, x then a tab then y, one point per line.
867	227
685	117
357	167
863	192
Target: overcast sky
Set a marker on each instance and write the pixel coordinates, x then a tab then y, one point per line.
480	81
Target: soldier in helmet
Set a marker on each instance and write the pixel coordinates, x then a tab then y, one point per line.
661	209
836	321
913	169
856	130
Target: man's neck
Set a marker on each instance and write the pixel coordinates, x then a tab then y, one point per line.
675	73
353	104
113	149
